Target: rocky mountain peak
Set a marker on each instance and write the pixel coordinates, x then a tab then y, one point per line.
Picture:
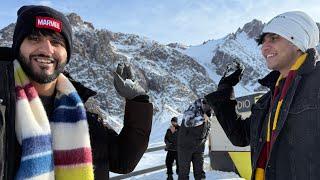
7	34
75	20
177	45
253	28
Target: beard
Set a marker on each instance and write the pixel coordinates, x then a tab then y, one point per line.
40	77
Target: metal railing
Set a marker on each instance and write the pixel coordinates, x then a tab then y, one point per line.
143	171
147	170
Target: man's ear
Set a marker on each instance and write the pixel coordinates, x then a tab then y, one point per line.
296	49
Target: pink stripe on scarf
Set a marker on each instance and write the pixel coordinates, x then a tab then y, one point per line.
20	93
27	92
30	91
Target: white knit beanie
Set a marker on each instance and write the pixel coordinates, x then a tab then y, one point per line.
295	26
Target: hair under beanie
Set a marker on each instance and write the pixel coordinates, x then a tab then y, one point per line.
295	26
33	17
174	119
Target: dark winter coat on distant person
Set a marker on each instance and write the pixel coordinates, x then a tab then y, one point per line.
192	136
170	139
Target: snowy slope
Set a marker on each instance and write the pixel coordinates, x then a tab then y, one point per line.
240	46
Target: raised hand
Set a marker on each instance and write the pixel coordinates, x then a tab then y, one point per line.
232	75
125	83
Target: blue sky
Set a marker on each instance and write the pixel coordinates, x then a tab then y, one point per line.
189	22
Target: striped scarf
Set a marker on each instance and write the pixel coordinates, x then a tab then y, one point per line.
260	173
59	149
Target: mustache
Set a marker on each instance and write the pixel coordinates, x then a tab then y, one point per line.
43	56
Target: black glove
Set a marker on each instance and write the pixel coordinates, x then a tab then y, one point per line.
232	75
225	92
125	84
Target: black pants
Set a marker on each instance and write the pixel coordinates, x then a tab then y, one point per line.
186	156
171	157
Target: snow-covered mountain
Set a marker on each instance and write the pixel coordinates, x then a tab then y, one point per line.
174	75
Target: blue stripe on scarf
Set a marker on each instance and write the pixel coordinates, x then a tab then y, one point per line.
68	116
35	166
67	109
37	144
68	100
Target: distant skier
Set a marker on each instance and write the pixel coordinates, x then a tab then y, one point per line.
192	136
171	146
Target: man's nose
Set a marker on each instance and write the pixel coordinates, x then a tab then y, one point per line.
46	47
265	45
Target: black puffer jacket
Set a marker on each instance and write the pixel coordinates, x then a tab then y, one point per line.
295	153
118	153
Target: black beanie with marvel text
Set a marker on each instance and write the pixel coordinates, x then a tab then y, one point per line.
31	18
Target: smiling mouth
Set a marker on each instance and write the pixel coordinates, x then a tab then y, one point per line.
43	60
271	55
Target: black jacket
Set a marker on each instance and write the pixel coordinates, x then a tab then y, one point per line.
193	137
118	153
171	139
295	152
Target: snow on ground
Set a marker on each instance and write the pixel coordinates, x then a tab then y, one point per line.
153	159
210	174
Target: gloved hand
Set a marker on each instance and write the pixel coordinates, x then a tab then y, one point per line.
232	79
125	84
225	92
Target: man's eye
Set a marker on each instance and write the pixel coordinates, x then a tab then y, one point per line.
273	38
57	42
54	41
33	38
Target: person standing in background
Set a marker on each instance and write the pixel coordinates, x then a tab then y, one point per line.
193	133
171	147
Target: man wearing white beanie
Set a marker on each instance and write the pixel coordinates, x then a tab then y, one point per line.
283	129
297	27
